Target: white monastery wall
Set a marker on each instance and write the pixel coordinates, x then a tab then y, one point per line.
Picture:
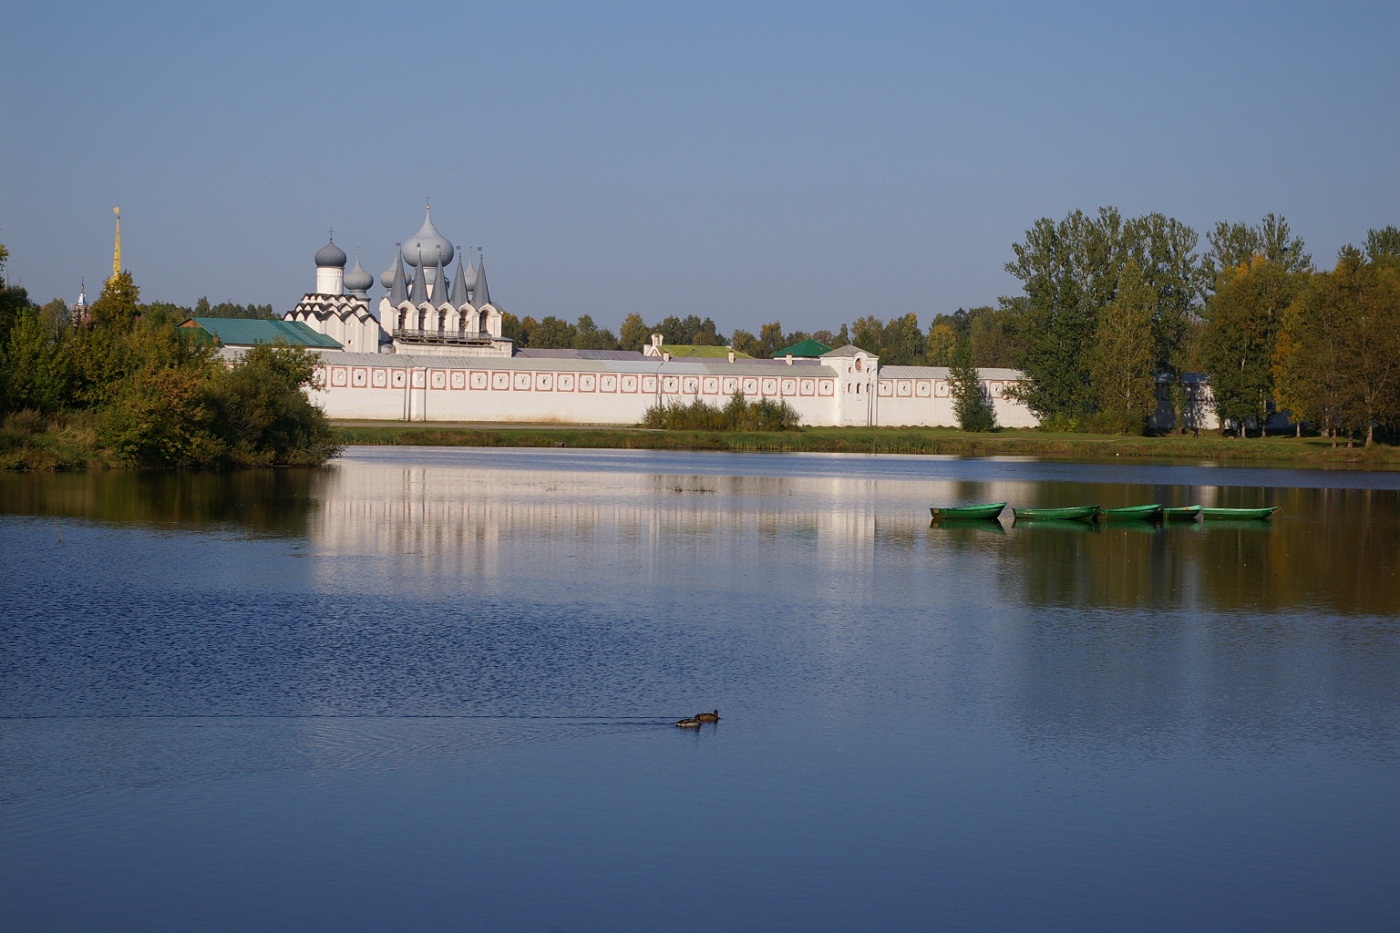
400	387
837	391
922	396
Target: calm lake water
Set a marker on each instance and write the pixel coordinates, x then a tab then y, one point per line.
431	689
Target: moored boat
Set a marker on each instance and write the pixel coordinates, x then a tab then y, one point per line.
1145	513
987	510
1265	512
1069	513
1181	513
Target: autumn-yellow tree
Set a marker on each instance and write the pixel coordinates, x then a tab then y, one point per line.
1374	355
1310	356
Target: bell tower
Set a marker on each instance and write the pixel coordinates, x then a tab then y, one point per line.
117	246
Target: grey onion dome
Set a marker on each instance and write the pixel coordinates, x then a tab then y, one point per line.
330	256
426	245
357	279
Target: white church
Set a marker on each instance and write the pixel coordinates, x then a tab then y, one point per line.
431	350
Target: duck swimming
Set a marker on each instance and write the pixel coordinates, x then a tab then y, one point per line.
708	717
692	723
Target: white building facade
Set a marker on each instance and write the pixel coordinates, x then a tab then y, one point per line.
441	357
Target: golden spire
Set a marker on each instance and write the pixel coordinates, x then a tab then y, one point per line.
117	249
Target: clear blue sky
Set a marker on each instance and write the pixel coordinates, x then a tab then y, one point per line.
749	162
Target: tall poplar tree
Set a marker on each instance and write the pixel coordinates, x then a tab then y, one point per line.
1233	244
904	343
1069	271
1165	250
1123	361
1375	348
1239	335
1310	365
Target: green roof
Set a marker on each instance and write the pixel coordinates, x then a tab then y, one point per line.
809	348
247	332
703	351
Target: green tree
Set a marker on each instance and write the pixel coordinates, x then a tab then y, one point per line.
1122	365
55	315
1068	270
111	352
266	417
226	309
701	333
1165	251
1238	338
1235	244
1383	245
868	333
524	330
1310	365
971	404
510	328
119	304
745	342
941	343
589	337
1374	349
993	337
673	331
36	371
839	338
903	342
770	340
162	418
635	334
13	299
552	333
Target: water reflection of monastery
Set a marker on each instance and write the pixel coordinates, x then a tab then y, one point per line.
444	523
431	349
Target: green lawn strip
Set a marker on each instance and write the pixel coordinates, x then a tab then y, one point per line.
1270	451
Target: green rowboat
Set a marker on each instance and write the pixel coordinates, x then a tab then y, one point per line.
1239	513
1181	513
1072	513
989	510
1146	513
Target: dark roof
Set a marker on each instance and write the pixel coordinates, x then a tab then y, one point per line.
247	332
807	348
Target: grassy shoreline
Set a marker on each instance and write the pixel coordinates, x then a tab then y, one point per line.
1307	452
72	445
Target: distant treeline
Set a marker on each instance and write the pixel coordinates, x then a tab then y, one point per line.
131	387
1113	307
1114	310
